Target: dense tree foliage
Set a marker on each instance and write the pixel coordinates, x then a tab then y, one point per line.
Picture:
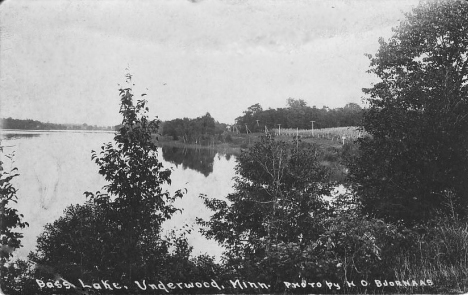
10	219
414	164
298	115
199	130
86	244
277	207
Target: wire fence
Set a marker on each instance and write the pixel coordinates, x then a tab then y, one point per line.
342	134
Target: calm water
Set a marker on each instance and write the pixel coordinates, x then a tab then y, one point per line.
55	169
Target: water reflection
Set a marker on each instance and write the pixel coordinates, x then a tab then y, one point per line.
55	168
17	135
11	134
200	160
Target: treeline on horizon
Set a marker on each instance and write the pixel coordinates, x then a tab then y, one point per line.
297	114
29	124
198	130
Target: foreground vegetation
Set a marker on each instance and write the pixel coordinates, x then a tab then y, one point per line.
400	225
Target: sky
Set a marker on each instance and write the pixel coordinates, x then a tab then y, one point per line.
62	61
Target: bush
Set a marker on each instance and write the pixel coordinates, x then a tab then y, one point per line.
354	248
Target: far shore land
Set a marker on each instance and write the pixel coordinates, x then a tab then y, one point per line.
244	141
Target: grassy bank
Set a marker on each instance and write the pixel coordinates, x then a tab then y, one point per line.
235	142
441	253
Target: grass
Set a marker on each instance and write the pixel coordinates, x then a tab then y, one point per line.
440	255
338	134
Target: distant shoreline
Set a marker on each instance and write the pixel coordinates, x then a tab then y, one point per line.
56	130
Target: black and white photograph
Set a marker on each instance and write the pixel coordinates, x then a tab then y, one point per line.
234	147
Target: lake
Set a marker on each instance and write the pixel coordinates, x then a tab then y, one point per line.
55	169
